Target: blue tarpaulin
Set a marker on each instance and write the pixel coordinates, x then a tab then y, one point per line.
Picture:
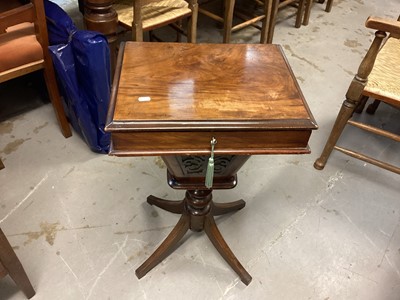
81	60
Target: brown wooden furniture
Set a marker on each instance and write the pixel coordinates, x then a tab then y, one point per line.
146	15
309	4
377	77
253	20
24	49
10	265
244	96
267	17
280	4
99	15
1	164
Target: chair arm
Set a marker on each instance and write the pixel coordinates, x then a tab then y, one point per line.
386	25
16	16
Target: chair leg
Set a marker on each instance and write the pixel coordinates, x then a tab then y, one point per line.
307	12
274	13
344	115
1	164
13	266
228	19
329	6
55	98
192	24
361	104
371	109
266	23
300	12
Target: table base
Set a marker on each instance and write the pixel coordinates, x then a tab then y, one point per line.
197	214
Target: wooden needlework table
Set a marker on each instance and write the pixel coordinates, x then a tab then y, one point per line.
171	100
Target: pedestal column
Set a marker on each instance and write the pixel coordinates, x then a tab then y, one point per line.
100	16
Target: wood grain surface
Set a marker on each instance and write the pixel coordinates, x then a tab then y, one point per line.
245	95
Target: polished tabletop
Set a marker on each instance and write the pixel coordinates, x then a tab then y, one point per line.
181	87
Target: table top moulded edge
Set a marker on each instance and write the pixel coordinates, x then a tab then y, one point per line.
115	127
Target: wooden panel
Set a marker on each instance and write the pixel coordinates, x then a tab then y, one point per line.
243	143
391	26
245	96
21	70
205	82
16	16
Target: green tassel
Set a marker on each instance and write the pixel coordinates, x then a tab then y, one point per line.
210	166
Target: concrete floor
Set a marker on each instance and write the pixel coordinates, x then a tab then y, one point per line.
80	225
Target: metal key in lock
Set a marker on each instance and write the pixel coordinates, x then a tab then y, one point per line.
210	166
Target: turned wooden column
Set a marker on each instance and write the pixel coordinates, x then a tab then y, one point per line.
100	16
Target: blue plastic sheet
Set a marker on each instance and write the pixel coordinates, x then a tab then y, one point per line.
81	60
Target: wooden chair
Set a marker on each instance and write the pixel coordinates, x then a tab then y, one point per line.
309	4
10	265
24	49
267	17
378	77
280	4
146	15
1	164
228	14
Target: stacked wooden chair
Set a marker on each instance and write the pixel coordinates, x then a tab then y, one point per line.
281	4
228	15
267	17
378	77
24	49
141	16
309	4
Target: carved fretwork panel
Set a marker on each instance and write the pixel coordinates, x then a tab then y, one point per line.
193	165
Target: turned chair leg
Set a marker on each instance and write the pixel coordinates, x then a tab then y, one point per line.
344	115
11	264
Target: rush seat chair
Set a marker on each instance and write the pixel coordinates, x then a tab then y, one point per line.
378	77
146	15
